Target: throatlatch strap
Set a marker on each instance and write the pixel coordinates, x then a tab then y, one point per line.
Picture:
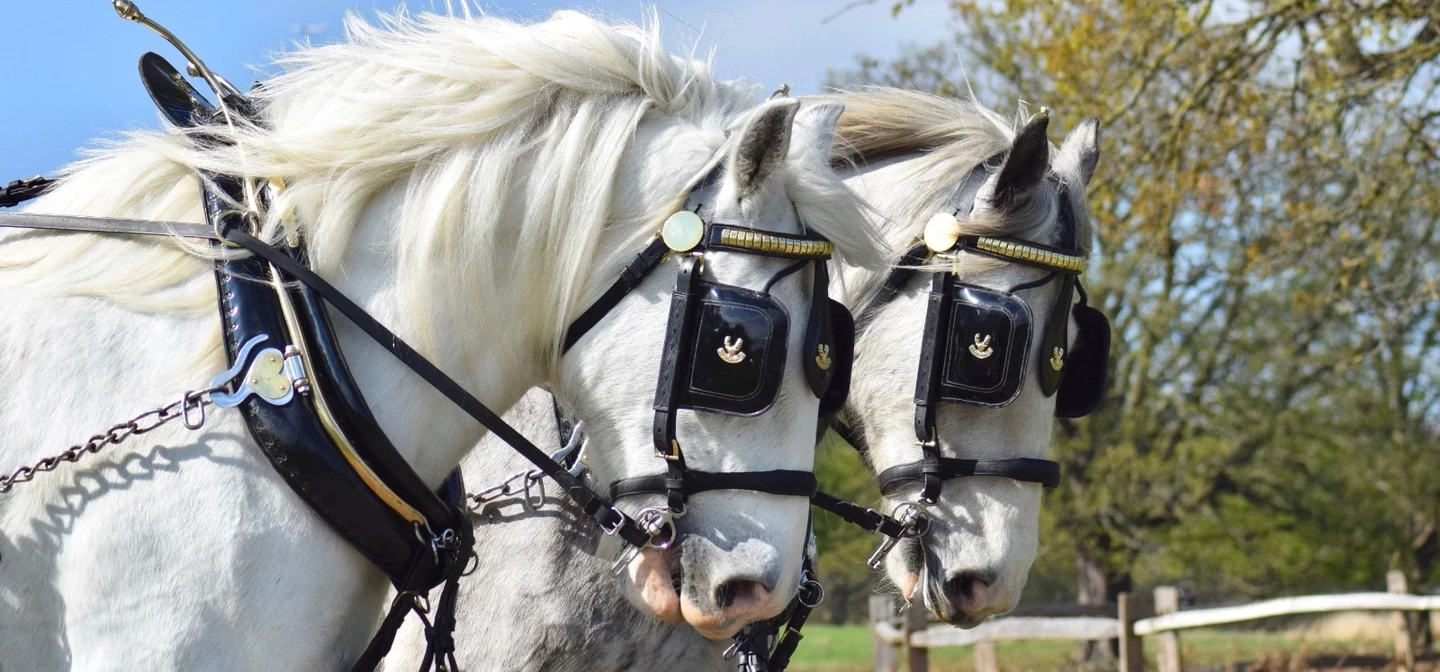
630	277
894	284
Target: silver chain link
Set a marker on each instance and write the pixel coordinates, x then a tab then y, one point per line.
190	407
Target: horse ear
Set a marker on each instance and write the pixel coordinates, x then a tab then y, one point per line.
815	127
1082	146
1026	164
763	144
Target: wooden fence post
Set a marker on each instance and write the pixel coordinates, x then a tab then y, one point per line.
882	610
1404	647
1132	647
987	658
917	658
1167	601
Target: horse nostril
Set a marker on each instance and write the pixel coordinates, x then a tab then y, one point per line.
960	588
740	591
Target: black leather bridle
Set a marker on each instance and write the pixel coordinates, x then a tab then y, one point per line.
687	352
1065	262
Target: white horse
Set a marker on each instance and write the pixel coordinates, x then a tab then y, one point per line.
565	620
984	532
472	183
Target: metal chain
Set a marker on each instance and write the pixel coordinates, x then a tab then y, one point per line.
190	408
531	482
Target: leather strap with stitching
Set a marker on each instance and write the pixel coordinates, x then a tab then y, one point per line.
630	277
784	482
1023	469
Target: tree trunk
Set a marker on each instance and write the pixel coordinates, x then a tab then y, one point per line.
1425	542
1098	584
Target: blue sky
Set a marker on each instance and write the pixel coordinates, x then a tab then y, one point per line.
69	66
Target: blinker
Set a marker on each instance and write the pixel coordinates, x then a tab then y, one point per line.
738	353
986	345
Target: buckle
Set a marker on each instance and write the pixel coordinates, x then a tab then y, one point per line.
673	454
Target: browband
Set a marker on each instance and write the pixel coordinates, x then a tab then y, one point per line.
1024	469
717	237
766	243
783	482
1032	254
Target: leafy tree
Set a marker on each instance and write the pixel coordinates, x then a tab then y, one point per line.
1267	211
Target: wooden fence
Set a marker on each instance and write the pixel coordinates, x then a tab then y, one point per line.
914	636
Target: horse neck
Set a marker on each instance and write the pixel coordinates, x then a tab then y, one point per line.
496	359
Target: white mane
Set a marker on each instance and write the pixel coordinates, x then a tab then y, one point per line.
950	136
506	140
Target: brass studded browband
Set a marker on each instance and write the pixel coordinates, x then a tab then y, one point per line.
1027	253
772	244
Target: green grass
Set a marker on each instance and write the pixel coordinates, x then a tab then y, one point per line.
847	648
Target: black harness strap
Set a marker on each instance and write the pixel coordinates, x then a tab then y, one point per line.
927	385
1023	469
19	191
683	302
630	277
864	517
785	482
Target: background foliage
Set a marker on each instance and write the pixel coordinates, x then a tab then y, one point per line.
1266	208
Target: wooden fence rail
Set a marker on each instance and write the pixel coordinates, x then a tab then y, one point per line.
912	633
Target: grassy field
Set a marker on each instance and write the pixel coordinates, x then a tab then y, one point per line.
829	648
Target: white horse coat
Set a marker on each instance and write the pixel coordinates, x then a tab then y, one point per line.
471	183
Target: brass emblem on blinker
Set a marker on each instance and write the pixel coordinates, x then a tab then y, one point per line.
822	357
730	352
981	349
1057	359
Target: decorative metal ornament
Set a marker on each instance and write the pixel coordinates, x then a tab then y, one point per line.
265	377
1057	359
730	352
683	231
942	232
982	349
822	357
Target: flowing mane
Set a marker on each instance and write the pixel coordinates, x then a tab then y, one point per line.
503	143
952	136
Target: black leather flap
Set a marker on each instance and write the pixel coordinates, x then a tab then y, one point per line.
987	342
738	356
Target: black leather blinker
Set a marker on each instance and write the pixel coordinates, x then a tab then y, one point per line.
987	342
1082	389
737	358
842	355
